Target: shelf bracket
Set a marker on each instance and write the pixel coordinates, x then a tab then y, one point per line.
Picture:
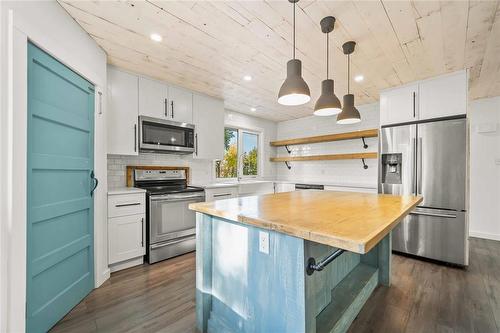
289	151
288	165
365	166
320	265
364	143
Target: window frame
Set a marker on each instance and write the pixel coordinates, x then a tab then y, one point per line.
239	164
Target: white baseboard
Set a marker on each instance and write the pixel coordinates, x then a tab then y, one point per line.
102	278
484	235
126	264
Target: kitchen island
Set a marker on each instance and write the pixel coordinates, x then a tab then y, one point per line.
302	261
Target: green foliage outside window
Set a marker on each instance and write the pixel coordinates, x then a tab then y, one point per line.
250	163
228	166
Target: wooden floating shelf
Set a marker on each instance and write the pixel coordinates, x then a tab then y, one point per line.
330	157
371	133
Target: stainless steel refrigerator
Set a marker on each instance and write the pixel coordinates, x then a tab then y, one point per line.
428	159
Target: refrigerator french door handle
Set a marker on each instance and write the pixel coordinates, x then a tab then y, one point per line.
414	174
449	216
419	166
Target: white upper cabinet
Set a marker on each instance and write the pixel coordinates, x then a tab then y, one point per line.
399	105
444	97
131	95
122	112
180	104
158	100
208	118
153	98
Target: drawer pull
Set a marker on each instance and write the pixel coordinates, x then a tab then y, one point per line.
221	195
128	204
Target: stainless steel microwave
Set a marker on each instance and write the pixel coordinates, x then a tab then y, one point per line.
165	136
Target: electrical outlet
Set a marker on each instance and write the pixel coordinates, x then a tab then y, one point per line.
264	242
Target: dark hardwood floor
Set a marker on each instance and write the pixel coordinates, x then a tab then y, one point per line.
424	297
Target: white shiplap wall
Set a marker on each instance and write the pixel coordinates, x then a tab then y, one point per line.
343	172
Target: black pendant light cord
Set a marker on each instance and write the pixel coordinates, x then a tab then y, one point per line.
327	55
294	30
348	73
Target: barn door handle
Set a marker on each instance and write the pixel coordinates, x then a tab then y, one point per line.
96	182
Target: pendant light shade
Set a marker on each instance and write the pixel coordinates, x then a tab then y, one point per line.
349	114
328	103
294	91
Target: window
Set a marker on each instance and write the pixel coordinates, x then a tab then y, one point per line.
241	154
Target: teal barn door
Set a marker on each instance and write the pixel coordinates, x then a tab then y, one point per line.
60	250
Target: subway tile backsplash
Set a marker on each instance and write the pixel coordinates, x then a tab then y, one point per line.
201	170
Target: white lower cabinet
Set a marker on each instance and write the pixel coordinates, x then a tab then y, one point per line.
257	188
126	230
283	187
126	237
219	193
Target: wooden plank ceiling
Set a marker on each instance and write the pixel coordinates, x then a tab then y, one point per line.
208	46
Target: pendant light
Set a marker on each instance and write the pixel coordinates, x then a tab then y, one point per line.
349	114
294	91
328	103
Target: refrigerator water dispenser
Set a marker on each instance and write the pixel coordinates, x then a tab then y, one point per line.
391	168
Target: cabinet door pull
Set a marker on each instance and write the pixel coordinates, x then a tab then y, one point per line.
172	108
100	101
135	137
165	107
196	144
128	204
142	232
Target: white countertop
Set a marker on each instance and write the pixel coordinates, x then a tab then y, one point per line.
328	183
125	190
294	181
231	184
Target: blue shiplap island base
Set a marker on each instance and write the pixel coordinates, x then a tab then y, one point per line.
239	289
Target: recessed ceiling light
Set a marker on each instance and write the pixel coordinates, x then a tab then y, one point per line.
155	37
247	78
359	78
253	109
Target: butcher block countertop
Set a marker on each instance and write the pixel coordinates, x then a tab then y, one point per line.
351	221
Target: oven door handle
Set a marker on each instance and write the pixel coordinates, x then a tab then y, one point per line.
176	197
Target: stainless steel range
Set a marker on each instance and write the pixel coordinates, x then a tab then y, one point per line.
171	226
